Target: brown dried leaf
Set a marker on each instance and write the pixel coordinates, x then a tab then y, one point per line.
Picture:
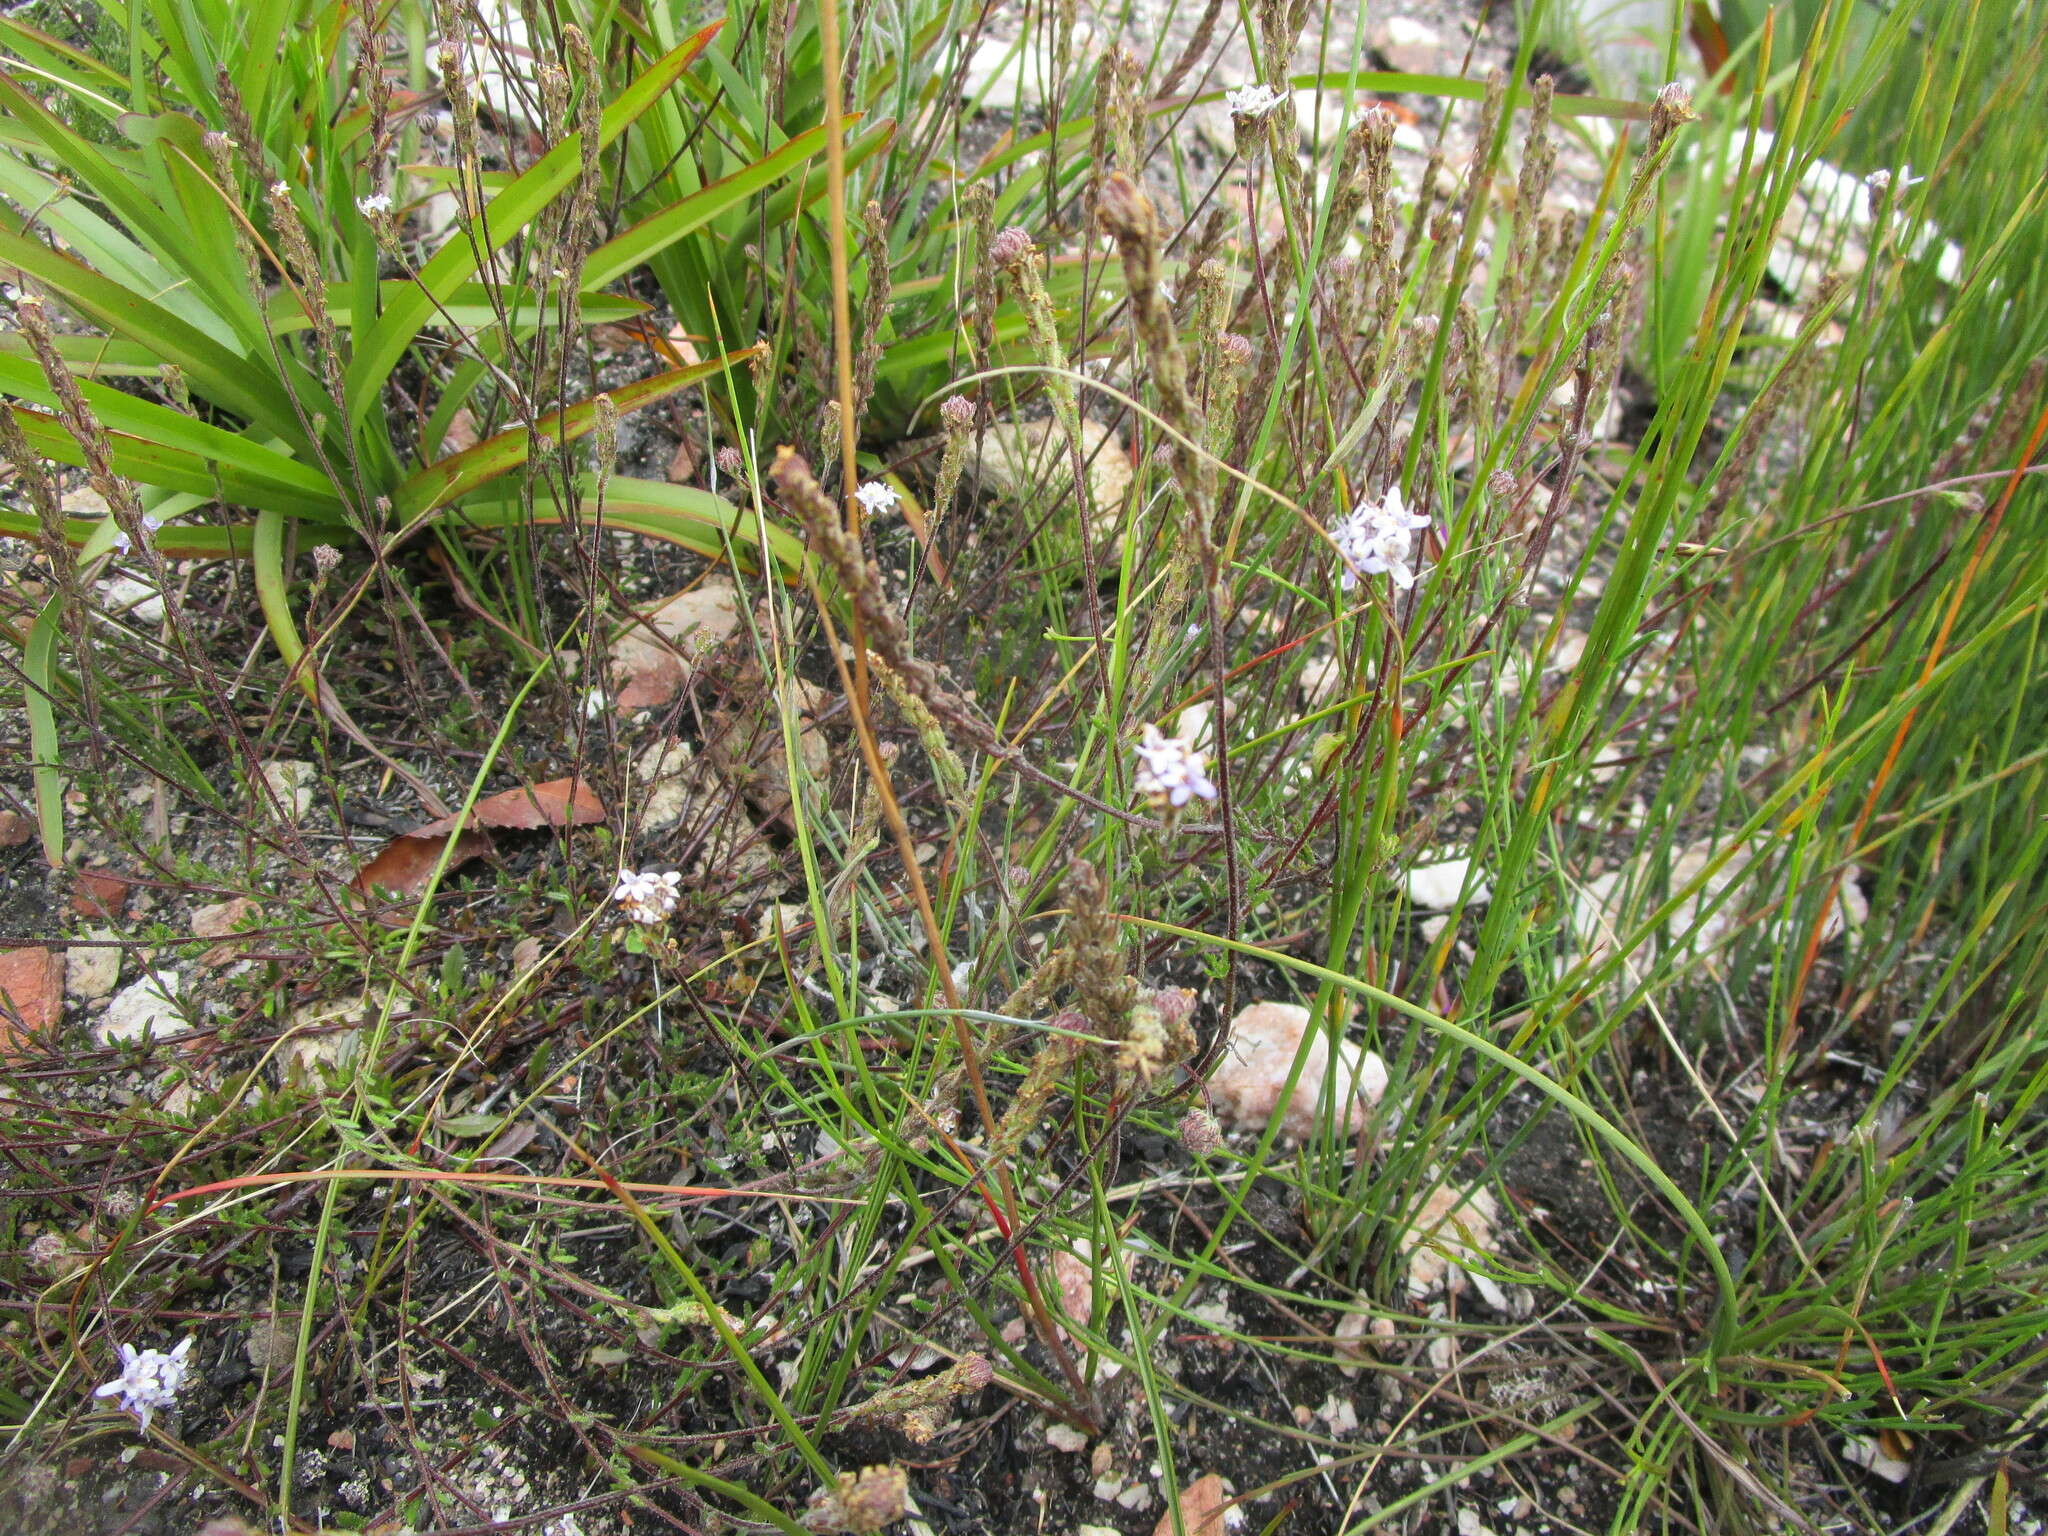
1201	1508
32	988
557	803
682	464
15	829
403	864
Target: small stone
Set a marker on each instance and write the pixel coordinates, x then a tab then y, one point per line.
322	1043
1564	655
272	1344
668	769
292	781
90	971
221	918
1264	1040
1026	461
31	989
143	1010
1410	47
1004	75
1436	887
1320	679
1339	1413
136	601
1064	1437
1453	1228
99	894
649	670
1866	1452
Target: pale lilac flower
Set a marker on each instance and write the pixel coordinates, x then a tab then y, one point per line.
647	898
149	1379
1170	769
377	202
1254	100
121	541
1376	537
876	498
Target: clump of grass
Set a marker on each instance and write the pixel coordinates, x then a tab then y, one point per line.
1711	1073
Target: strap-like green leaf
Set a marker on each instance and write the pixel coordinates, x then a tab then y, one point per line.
179	469
379	350
471	306
629	249
460	473
678	514
213	370
46	771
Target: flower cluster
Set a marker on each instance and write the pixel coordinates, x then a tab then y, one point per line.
648	898
1171	770
1254	100
149	1379
875	498
1377	536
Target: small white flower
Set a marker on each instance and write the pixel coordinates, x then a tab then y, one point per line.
1376	537
149	1379
374	204
1254	100
280	189
876	498
1170	769
647	898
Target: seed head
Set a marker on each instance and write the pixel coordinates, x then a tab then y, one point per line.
1010	246
957	412
1199	1132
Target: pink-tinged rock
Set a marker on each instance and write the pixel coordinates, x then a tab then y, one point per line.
1264	1041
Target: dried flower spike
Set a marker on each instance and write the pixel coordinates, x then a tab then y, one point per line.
860	1502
